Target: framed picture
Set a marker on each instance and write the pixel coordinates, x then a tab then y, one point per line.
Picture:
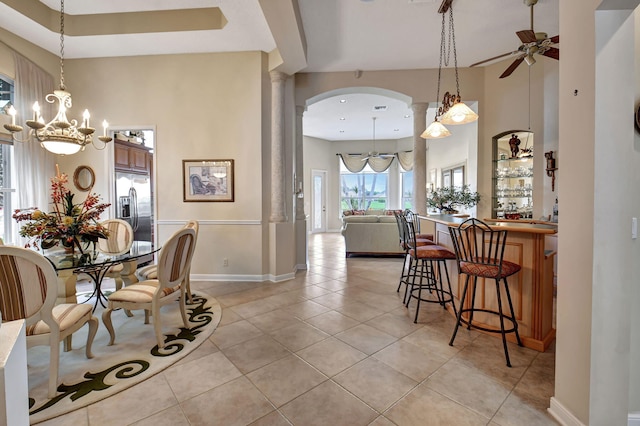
207	180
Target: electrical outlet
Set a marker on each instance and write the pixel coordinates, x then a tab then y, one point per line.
634	228
225	262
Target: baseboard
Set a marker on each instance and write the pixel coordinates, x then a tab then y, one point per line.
246	278
562	415
634	419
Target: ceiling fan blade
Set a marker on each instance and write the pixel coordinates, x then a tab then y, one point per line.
512	67
555	39
527	36
491	59
552	52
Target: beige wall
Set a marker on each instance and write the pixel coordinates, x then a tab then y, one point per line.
202	106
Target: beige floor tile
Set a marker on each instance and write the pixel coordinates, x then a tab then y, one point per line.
255	353
331	356
306	309
332	300
522	410
469	387
538	381
76	418
375	383
328	404
235	403
189	380
298	336
434	342
366	338
125	407
228	317
256	307
274	320
172	416
332	322
206	348
411	360
232	334
422	406
285	379
359	311
272	419
333	285
394	325
382	421
309	292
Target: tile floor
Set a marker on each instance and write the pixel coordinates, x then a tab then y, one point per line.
335	346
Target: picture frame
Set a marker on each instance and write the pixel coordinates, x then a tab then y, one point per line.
208	180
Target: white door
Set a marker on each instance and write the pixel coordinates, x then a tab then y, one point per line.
318	201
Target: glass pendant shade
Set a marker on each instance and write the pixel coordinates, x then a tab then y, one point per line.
61	148
459	114
435	131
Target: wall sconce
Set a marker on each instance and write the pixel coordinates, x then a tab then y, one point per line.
551	168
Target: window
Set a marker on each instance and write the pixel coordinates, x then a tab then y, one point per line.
364	190
453	177
6	155
407	190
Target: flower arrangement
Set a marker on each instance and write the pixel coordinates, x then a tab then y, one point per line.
68	224
448	198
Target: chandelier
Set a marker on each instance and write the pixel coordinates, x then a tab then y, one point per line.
59	136
452	110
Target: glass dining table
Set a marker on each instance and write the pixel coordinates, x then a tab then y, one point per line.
96	265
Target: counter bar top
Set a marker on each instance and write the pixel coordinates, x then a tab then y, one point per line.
533	227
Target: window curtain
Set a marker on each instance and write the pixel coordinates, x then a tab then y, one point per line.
406	160
33	165
355	163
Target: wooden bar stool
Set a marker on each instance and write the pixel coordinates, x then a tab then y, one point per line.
479	252
424	261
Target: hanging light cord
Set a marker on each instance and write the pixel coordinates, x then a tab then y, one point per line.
62	45
442	50
452	39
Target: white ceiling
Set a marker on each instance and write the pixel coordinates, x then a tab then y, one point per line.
341	35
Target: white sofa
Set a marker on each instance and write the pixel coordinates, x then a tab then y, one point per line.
371	235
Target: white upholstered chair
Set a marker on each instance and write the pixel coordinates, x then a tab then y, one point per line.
150	272
151	295
119	242
28	290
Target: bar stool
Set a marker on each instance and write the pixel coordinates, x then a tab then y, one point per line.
424	260
479	252
404	244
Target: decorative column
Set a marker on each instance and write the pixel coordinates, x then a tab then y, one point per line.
301	219
278	80
419	158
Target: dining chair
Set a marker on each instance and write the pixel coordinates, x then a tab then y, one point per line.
151	295
150	272
28	291
118	242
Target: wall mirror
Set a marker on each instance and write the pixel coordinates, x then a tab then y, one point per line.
84	178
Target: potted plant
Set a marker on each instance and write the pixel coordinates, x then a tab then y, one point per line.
448	198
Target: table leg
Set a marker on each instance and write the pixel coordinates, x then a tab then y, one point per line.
66	287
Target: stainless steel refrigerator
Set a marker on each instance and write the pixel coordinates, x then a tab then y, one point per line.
135	204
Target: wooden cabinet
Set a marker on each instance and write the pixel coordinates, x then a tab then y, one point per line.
131	157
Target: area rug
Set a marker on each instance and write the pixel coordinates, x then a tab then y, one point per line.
134	357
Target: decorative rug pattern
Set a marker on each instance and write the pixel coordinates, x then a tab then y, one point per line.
134	357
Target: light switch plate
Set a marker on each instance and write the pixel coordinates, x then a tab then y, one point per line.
634	228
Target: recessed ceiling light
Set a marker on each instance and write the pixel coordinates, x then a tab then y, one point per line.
342	118
396	130
407	116
341	131
343	101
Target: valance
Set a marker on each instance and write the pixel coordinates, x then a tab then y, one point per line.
355	163
405	159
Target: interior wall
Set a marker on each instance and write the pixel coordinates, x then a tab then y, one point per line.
203	106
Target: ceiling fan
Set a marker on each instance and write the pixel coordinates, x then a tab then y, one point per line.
533	43
374	153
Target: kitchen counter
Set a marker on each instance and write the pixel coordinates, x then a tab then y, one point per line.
531	288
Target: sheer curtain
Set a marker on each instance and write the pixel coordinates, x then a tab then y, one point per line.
33	165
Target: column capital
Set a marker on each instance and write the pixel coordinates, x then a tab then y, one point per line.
420	107
300	110
278	76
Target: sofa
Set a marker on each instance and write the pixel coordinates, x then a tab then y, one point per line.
371	233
